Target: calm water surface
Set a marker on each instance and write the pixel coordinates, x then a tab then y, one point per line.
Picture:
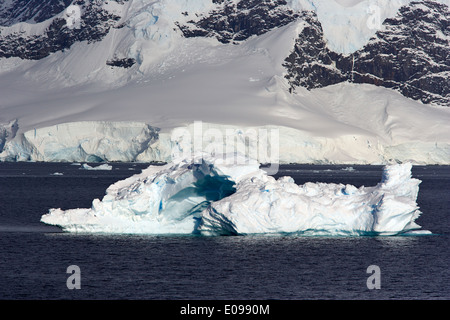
34	257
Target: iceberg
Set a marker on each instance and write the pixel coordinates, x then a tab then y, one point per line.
161	200
104	166
265	205
232	195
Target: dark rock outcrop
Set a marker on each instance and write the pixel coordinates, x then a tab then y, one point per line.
123	63
94	25
235	22
33	11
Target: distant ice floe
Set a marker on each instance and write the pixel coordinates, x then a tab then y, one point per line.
105	166
231	195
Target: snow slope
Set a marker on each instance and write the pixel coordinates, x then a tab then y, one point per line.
71	106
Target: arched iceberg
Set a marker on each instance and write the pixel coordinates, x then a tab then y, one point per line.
232	196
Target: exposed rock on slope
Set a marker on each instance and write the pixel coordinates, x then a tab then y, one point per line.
410	54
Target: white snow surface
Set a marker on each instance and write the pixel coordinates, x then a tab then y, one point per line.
231	195
349	24
71	106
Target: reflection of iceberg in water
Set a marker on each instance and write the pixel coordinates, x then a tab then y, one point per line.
212	196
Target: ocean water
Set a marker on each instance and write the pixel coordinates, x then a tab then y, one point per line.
34	257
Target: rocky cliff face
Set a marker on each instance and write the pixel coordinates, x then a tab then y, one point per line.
234	22
311	64
32	11
410	54
58	36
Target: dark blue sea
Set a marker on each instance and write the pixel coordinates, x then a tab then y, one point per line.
34	257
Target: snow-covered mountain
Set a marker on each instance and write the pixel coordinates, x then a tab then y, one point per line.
409	53
342	81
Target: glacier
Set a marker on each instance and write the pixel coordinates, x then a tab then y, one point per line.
230	194
89	141
381	136
67	107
